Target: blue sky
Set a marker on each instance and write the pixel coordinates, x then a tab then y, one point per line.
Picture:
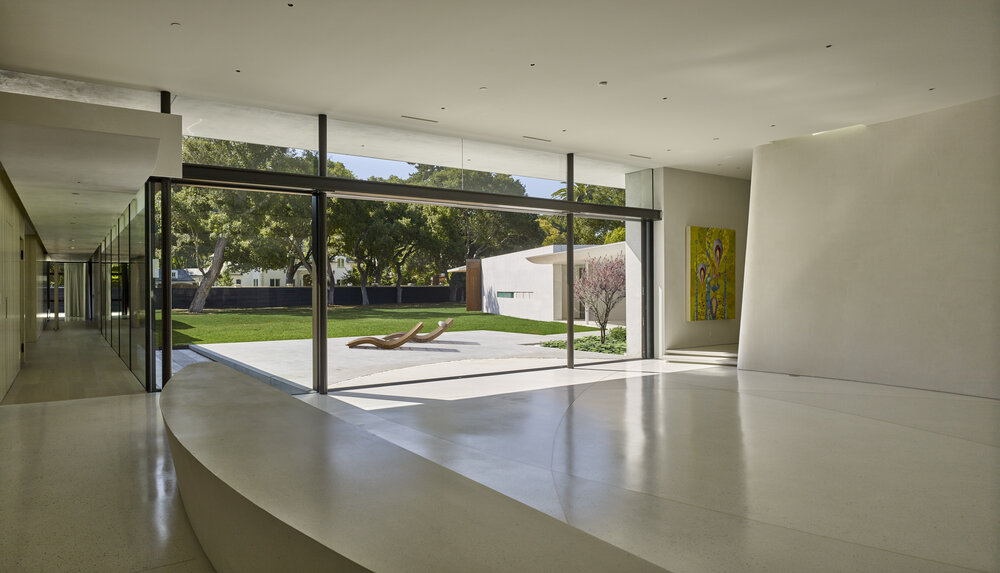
365	167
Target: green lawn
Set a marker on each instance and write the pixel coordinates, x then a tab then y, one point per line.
247	325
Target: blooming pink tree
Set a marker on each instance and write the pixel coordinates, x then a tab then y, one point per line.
601	288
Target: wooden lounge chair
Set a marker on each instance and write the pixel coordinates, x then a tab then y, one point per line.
424	337
387	344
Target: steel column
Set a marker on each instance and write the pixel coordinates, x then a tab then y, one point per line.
319	333
570	279
646	263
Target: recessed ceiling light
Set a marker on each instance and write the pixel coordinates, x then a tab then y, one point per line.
237	71
772	125
442	108
664	99
930	89
175	24
602	83
829	45
483	88
290	4
532	65
564	131
715	139
76	192
669	150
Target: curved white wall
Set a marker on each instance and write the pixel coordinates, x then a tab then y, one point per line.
874	253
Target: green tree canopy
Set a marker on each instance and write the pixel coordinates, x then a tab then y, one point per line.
585	231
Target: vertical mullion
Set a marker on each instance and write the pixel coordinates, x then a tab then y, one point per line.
166	286
646	264
149	330
166	281
319	236
570	279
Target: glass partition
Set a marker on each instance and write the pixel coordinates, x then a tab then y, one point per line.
137	271
242	264
601	280
119	269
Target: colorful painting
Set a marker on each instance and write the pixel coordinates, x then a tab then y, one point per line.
712	260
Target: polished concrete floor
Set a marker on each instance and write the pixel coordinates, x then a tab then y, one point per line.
693	468
70	363
713	469
86	478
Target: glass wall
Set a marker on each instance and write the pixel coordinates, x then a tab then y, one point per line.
242	295
119	266
137	285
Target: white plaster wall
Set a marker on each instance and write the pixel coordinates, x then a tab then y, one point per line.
515	273
697	199
874	253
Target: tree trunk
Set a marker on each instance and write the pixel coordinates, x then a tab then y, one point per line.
290	272
399	284
208	280
364	285
331	282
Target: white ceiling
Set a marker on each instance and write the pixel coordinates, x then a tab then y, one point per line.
735	74
74	183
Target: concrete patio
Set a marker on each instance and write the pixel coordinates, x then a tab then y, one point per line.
288	363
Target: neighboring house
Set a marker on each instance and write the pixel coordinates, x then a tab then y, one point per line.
342	266
532	283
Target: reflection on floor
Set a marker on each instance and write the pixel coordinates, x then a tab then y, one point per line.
72	362
87	485
711	469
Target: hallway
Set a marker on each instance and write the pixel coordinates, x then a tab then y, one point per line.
87	484
70	363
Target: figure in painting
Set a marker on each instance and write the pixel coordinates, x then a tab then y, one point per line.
713	272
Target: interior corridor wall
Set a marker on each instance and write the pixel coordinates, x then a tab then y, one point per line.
874	253
11	232
689	198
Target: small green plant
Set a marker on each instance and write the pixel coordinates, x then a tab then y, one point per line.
617	334
591	344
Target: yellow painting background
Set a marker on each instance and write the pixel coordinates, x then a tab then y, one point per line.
712	276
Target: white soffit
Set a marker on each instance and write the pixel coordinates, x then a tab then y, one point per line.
76	167
74	184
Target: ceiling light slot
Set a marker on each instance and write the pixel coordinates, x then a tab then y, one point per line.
419	118
537	138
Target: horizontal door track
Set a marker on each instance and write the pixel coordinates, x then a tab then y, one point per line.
251	180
